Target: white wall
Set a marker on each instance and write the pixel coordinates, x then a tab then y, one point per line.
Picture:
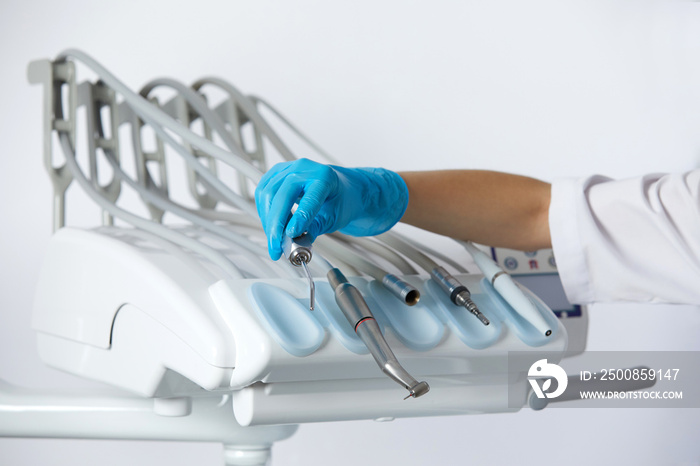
540	88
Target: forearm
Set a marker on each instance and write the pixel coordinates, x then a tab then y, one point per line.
492	208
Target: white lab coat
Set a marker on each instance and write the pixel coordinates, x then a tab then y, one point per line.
629	240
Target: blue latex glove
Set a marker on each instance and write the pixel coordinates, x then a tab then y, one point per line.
355	201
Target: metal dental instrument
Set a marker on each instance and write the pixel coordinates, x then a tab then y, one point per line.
360	317
459	294
506	287
298	251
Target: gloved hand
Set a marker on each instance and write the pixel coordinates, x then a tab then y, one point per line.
355	201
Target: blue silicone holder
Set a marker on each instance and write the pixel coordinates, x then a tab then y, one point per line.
521	327
300	332
415	326
286	319
463	323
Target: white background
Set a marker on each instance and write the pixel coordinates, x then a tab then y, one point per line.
545	89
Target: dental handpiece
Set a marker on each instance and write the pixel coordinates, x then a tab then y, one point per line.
458	293
507	288
298	251
360	317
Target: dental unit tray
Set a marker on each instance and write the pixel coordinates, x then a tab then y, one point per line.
125	310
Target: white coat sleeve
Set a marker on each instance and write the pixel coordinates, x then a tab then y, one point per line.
629	240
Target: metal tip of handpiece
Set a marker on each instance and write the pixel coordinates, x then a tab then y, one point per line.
419	389
402	290
312	287
482	318
412	298
471	307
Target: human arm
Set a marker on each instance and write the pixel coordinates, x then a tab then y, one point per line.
627	240
634	239
487	207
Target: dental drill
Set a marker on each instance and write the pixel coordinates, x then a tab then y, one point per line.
459	294
298	251
360	317
506	287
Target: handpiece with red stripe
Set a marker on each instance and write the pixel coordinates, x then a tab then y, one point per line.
360	317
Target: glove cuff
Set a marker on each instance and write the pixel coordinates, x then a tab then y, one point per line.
383	199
